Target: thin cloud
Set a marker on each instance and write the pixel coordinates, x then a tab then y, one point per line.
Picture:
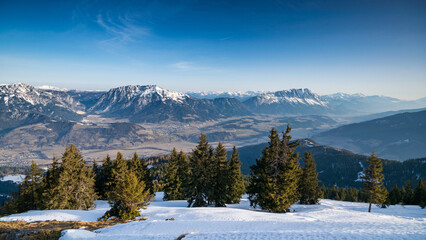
122	30
190	66
183	65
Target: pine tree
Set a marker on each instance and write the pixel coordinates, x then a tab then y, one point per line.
308	185
148	179
29	195
140	167
236	182
419	197
287	192
274	179
50	181
394	195
118	173
200	172
373	182
129	196
183	173
75	185
105	177
98	178
409	193
403	192
261	184
220	177
173	183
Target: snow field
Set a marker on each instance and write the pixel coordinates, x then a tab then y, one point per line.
330	220
61	215
14	178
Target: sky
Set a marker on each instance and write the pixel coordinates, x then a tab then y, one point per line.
370	47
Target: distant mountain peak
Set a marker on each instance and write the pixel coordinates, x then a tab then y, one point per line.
292	96
240	95
136	95
52	88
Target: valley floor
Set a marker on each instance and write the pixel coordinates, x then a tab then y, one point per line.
329	220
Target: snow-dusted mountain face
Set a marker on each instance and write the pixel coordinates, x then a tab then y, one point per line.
135	97
239	95
294	101
22	98
151	103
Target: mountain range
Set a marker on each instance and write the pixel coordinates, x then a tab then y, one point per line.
36	122
151	103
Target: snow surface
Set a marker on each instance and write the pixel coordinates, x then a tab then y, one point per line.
14	178
330	220
61	215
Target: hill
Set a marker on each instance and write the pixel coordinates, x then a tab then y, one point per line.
400	136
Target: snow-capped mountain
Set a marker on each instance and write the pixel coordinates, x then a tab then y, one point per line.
21	97
240	95
136	97
52	88
151	103
293	101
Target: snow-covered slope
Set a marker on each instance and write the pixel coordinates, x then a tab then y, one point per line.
330	220
293	101
169	220
61	215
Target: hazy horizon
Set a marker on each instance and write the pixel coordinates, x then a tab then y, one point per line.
368	47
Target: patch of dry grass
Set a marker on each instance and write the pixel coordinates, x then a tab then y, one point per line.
48	230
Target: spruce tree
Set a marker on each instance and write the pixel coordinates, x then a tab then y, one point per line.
119	170
286	190
183	173
141	170
98	178
261	184
394	195
220	177
147	178
236	182
274	179
29	195
128	197
50	181
373	182
173	183
409	193
75	188
200	172
105	177
419	197
308	184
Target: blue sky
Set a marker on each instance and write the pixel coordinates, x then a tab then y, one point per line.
372	47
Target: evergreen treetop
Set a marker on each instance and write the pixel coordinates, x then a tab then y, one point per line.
373	181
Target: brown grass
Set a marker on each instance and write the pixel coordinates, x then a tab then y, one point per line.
49	229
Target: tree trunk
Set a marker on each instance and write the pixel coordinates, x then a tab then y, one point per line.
369	207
